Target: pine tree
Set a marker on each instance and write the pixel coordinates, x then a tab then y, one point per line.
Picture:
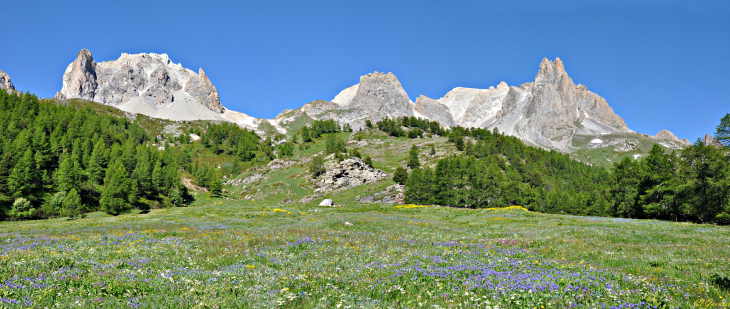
23	176
95	168
400	175
413	161
143	176
157	184
68	176
214	184
305	134
72	205
316	167
116	184
655	194
6	167
722	132
368	161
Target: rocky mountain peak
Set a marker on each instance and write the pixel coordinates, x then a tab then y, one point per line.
382	95
80	78
142	83
665	134
5	82
708	140
556	104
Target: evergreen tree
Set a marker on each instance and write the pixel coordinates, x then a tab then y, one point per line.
368	161
316	167
722	132
157	176
703	191
468	148
654	190
306	138
459	142
72	205
95	167
623	189
214	184
400	176
69	175
413	161
23	176
115	194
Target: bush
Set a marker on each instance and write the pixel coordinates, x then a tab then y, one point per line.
22	209
400	176
368	161
316	167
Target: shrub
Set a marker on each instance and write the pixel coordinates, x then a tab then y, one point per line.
400	176
22	209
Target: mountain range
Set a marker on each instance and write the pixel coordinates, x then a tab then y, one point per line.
550	112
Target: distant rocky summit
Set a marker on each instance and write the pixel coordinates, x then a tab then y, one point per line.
5	82
550	111
150	84
547	112
666	135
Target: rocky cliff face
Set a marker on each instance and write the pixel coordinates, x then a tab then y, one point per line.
383	95
708	140
669	136
426	107
142	83
458	99
5	82
556	104
484	106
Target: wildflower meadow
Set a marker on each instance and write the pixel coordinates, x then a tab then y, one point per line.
248	255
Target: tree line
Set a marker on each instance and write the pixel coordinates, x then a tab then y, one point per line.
499	170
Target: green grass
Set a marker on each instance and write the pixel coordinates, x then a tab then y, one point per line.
248	254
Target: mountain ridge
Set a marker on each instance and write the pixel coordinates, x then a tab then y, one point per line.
548	112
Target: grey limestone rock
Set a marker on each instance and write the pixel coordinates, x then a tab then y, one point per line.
708	140
485	106
152	78
349	173
327	202
79	80
381	95
557	104
434	110
5	82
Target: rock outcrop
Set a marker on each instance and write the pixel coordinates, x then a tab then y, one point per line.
426	107
381	94
669	136
708	140
485	106
458	99
556	104
347	174
5	82
149	84
665	134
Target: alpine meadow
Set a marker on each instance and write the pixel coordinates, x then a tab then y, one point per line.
483	176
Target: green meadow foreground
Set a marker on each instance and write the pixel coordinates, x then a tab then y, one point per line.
240	254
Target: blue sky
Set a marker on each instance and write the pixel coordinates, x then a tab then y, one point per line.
659	64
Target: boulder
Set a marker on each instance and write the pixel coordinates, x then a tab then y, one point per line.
327	202
347	174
